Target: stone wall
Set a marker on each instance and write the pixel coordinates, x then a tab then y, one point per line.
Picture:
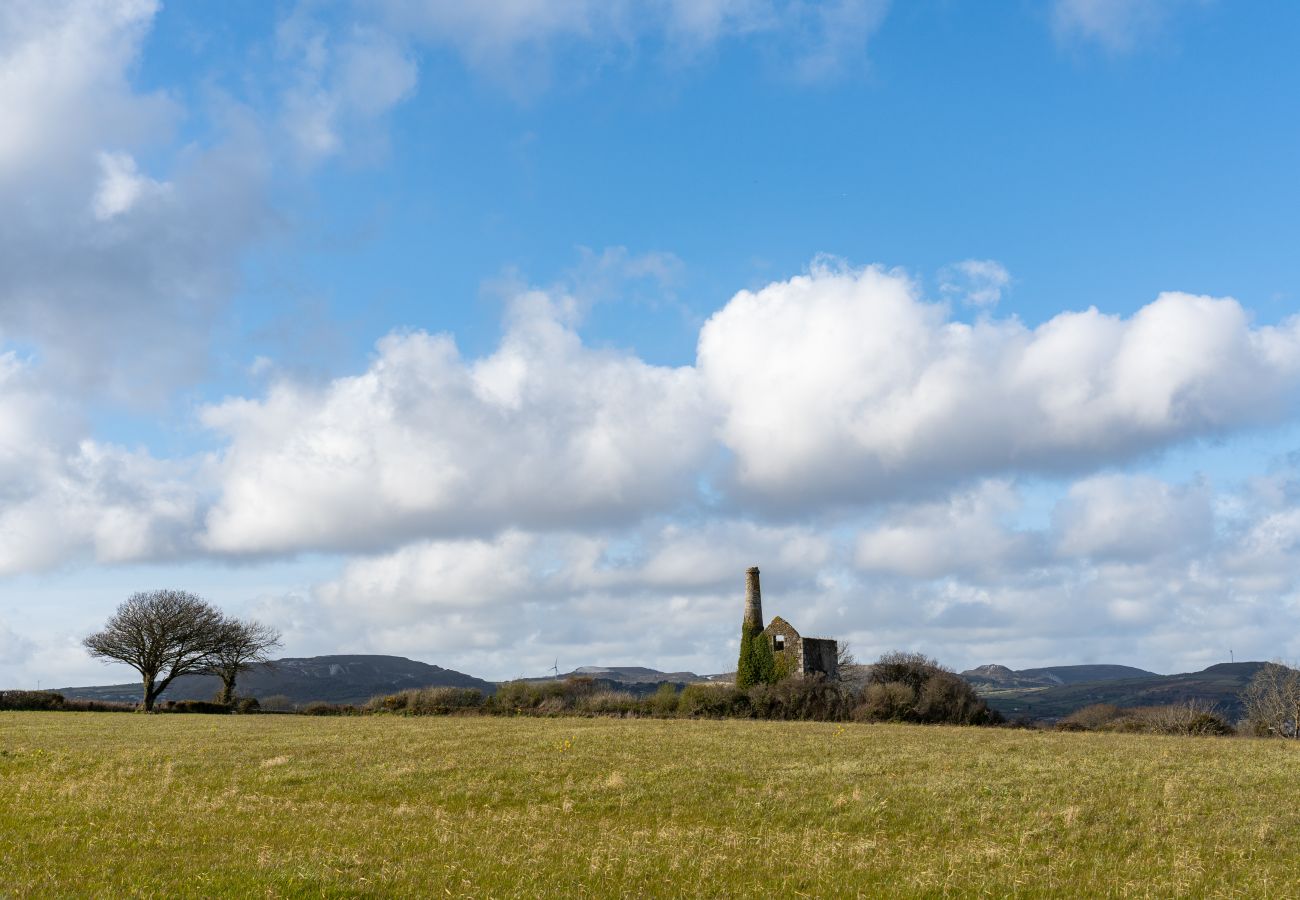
820	655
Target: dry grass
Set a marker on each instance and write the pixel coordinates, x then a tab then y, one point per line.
174	806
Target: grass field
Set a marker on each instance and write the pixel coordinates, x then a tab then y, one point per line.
167	806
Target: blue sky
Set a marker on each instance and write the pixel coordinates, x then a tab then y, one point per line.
421	328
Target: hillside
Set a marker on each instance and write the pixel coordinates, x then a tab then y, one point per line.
1219	684
632	679
995	677
333	679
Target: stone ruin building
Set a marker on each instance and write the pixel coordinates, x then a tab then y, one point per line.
803	655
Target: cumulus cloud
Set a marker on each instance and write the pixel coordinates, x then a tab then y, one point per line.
965	534
1133	517
544	431
846	386
114	272
665	591
976	282
69	498
961	579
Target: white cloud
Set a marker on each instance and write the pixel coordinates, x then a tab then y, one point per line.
1127	517
965	534
668	593
63	84
515	40
1115	24
844	386
67	498
121	186
15	650
958	579
344	83
976	282
543	432
114	273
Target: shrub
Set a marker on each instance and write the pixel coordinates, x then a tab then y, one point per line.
763	701
1191	717
811	697
912	687
712	701
610	703
911	669
949	699
247	705
889	701
30	700
320	708
1090	718
278	703
432	701
664	700
206	707
524	695
96	706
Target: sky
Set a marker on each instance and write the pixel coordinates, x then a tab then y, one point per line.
508	335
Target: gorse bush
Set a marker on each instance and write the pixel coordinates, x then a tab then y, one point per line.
611	703
713	701
330	709
207	707
664	700
912	687
30	700
36	701
1090	718
1191	718
435	701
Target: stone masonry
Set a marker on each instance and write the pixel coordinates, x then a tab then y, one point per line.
802	656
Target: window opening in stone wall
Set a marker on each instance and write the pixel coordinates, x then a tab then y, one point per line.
778	641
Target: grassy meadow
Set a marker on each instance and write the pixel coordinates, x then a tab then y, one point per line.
175	806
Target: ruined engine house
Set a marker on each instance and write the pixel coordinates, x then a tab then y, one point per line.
801	655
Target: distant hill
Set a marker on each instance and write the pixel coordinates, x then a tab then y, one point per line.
332	679
994	677
634	674
1219	684
633	679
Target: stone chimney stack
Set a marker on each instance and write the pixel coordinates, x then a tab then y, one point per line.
753	599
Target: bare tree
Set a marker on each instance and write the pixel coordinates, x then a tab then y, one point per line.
162	635
1272	701
846	663
243	644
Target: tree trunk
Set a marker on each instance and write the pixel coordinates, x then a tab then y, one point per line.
227	689
150	694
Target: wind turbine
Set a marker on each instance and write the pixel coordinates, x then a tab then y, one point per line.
555	669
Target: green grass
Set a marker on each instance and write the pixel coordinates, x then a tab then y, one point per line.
176	806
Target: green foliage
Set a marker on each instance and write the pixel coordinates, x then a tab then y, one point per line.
30	700
712	701
784	666
206	707
756	664
431	701
329	709
911	687
664	701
